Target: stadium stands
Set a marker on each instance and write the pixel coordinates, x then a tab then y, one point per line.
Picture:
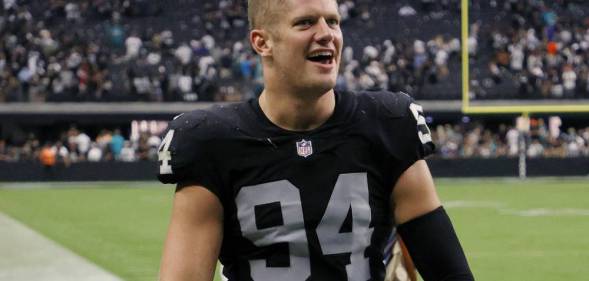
189	50
477	141
530	49
459	140
195	50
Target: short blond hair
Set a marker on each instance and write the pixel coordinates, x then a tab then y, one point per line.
263	13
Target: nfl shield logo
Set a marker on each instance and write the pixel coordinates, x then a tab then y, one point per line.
304	148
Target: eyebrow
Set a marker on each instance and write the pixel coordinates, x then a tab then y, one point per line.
316	15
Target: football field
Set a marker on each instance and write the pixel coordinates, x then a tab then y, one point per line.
536	229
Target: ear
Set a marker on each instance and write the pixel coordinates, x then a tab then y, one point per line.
259	39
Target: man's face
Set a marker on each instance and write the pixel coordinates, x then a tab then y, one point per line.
306	45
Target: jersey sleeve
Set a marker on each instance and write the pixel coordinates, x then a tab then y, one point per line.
183	155
403	130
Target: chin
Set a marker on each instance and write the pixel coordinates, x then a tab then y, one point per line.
327	81
322	86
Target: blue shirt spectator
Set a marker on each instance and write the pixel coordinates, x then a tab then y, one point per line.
116	143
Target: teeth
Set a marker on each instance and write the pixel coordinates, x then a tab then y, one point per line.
326	53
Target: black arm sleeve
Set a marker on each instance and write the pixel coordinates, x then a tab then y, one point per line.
434	247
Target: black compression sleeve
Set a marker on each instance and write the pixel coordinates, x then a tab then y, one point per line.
434	247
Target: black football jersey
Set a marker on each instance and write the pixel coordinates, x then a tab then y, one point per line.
310	205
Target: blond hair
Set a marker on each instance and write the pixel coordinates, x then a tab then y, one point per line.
262	13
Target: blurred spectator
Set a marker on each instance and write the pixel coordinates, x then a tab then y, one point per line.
127	152
9	4
4	156
62	153
95	153
133	44
512	141
116	143
104	138
153	142
47	156
81	141
407	11
535	149
143	148
30	150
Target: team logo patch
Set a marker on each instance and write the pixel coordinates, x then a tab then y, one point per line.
304	148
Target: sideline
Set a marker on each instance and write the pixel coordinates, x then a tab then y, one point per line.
81	184
502	209
28	256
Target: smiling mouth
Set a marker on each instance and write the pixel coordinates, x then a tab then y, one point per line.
325	59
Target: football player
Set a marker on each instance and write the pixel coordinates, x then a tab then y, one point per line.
303	183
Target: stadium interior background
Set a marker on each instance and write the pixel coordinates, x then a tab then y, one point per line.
95	81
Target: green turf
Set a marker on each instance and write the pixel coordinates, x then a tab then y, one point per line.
506	241
120	229
510	229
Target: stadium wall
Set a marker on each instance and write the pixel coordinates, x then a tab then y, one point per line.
140	171
84	171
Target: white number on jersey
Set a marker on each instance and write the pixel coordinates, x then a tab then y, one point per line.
425	135
291	231
350	192
164	154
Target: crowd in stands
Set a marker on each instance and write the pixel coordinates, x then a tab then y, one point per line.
188	50
95	50
537	49
75	145
542	140
463	140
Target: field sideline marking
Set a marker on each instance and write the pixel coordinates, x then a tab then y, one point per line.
546	212
156	184
444	180
27	255
502	210
83	184
473	204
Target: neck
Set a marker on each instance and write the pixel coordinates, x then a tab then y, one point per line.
297	112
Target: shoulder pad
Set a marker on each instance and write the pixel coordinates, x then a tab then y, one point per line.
390	104
189	120
202	124
184	147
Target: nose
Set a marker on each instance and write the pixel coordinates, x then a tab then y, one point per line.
324	32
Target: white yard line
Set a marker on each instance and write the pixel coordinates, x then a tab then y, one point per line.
79	184
26	255
503	210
